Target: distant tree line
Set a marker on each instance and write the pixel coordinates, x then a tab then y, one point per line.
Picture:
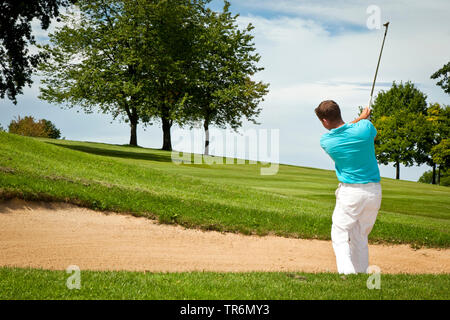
443	179
30	127
411	131
171	61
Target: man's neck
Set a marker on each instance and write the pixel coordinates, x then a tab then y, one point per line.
338	125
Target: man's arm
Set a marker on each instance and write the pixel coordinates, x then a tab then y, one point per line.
364	115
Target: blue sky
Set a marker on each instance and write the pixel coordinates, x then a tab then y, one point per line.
311	51
276	10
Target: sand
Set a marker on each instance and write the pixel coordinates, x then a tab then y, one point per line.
55	235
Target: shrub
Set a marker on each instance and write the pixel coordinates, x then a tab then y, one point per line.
27	126
427	177
445	181
52	131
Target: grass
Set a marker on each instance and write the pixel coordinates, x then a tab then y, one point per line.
42	284
297	202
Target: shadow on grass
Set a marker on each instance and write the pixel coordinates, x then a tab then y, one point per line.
141	155
118	154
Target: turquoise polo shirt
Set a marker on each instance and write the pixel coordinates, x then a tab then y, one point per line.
352	149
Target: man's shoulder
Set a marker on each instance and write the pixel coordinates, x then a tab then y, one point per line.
366	126
364	123
324	140
324	137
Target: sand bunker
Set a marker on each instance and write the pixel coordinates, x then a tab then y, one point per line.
54	236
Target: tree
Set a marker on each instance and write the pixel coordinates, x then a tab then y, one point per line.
145	60
426	177
223	92
16	62
396	116
443	73
94	63
444	180
441	153
27	126
433	129
52	131
129	58
176	26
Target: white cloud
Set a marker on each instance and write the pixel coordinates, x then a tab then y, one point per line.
306	64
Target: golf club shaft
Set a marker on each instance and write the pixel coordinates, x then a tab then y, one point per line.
378	65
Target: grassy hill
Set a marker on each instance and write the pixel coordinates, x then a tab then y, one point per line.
297	202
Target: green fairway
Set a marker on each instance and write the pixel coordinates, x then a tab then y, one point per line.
41	284
297	202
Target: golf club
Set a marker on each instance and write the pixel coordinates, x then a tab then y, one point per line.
378	65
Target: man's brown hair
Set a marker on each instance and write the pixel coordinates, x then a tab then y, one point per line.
329	110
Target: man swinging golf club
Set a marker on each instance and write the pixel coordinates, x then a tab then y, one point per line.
358	197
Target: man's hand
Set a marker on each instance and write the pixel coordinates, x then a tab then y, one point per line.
365	114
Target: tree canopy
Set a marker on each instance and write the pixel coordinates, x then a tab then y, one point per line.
223	93
175	61
397	116
431	131
172	61
439	119
443	75
95	63
17	64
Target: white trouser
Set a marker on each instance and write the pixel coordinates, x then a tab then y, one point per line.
355	213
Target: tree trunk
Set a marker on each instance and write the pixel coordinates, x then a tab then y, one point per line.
133	135
397	167
133	117
206	126
167	140
439	176
433	179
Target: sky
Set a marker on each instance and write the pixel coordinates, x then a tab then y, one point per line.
311	51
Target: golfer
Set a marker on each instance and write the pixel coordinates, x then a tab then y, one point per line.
358	197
